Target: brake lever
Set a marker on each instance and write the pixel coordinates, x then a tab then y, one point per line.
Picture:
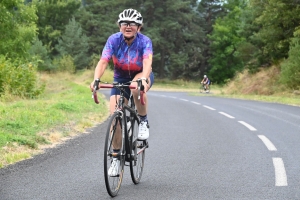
96	87
139	88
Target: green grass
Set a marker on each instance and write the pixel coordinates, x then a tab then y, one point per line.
193	88
289	99
65	109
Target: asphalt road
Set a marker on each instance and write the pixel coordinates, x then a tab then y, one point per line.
201	147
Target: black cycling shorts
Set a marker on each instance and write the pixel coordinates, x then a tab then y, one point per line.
115	91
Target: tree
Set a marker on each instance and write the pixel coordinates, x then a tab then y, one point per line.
250	50
53	16
75	43
225	60
209	11
277	24
18	28
290	68
98	20
174	28
39	51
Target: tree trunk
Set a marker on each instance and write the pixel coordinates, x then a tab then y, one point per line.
162	64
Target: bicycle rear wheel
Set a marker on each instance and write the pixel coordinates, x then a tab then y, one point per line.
138	152
113	182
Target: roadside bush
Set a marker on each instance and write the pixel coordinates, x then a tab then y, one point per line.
39	51
65	64
290	68
19	79
75	43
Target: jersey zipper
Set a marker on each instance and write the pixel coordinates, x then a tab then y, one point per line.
129	62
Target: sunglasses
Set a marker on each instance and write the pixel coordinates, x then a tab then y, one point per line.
131	24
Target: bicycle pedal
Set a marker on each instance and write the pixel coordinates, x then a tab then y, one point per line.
115	175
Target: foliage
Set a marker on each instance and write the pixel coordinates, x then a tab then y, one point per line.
65	64
98	21
53	16
209	11
277	20
290	68
18	79
74	43
226	40
40	52
18	28
173	26
190	37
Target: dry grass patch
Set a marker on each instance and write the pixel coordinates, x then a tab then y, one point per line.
264	82
14	153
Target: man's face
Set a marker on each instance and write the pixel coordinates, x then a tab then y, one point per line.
129	29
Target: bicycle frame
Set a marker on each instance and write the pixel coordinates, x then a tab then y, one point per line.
121	109
131	149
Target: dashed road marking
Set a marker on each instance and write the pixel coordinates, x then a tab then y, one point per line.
196	103
210	108
225	114
268	143
251	128
280	174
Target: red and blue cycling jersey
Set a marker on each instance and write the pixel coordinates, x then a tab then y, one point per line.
128	60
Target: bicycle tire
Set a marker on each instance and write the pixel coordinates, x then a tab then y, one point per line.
113	183
138	152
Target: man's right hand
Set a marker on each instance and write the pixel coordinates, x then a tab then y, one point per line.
93	85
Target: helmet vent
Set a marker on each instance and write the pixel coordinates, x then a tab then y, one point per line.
131	15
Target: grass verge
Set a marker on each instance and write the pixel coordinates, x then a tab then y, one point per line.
65	110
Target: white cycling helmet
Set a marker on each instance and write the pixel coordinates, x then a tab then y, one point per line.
205	76
131	15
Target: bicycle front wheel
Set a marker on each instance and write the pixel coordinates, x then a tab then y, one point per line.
114	158
138	153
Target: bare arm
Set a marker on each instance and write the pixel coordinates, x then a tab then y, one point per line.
99	71
147	68
100	68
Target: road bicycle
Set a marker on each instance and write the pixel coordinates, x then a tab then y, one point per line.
203	88
124	125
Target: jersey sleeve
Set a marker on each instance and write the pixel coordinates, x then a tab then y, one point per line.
148	51
108	50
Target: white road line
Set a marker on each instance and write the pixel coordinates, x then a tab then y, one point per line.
196	103
184	99
248	126
163	95
280	174
225	114
210	108
268	143
174	97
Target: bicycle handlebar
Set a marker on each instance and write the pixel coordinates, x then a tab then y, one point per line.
140	88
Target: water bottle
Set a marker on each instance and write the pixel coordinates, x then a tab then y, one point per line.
128	128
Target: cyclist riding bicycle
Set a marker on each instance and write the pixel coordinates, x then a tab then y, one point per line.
206	82
131	52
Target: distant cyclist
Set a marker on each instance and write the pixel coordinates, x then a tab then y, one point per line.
206	82
131	52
